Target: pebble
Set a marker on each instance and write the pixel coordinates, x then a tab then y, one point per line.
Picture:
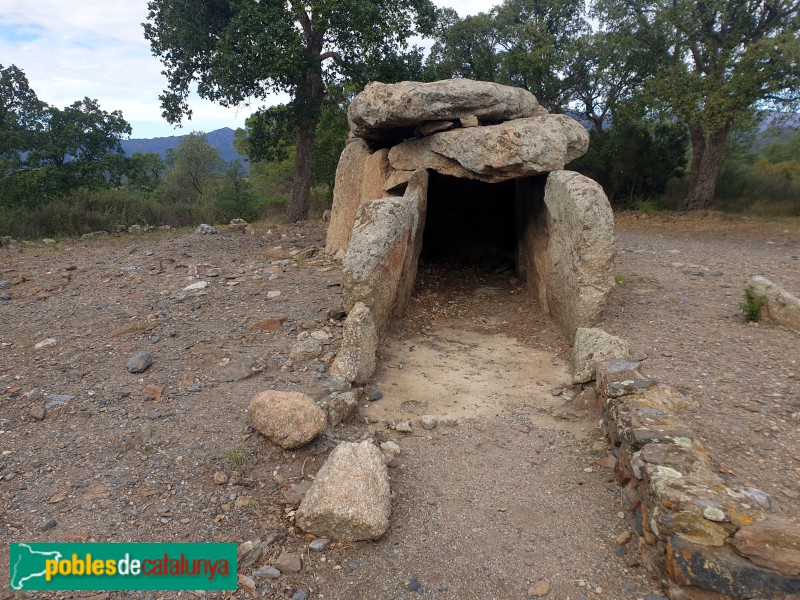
5	296
414	585
631	586
300	595
273	294
247	582
556	392
654	597
288	562
403	427
220	478
375	396
38	413
267	571
390	448
319	545
205	229
429	422
54	400
45	343
49	525
539	589
140	363
200	285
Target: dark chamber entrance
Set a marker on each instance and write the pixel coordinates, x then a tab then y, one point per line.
470	222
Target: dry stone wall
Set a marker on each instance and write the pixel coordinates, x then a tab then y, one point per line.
703	538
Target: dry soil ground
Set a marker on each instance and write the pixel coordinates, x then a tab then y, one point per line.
505	492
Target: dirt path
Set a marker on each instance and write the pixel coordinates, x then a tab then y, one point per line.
501	494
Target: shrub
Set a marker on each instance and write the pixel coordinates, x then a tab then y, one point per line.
752	305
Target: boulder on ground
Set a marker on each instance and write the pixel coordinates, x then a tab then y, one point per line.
779	305
519	148
350	499
592	345
288	419
394	110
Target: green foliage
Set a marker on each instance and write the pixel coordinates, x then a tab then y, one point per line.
634	159
193	168
767	184
752	305
234	198
236	51
526	43
715	63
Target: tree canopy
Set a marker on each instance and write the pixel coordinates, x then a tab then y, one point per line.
717	62
238	50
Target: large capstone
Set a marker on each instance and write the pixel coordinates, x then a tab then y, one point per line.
512	150
394	111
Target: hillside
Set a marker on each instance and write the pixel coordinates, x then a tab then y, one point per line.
222	139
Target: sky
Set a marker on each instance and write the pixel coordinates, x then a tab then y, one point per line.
96	48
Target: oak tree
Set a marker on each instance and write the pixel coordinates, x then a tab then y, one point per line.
718	61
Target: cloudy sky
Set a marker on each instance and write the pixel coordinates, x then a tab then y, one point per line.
96	48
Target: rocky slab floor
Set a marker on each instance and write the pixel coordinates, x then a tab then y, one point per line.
484	508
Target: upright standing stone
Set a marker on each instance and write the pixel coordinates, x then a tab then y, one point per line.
346	194
566	249
356	358
376	254
376	172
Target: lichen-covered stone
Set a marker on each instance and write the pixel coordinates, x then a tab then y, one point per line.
593	345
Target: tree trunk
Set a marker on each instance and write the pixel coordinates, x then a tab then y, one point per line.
308	106
301	185
708	150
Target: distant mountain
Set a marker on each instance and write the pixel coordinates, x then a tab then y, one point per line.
775	127
221	139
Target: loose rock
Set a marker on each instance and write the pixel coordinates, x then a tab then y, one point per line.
429	422
289	419
350	497
140	363
288	562
538	589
